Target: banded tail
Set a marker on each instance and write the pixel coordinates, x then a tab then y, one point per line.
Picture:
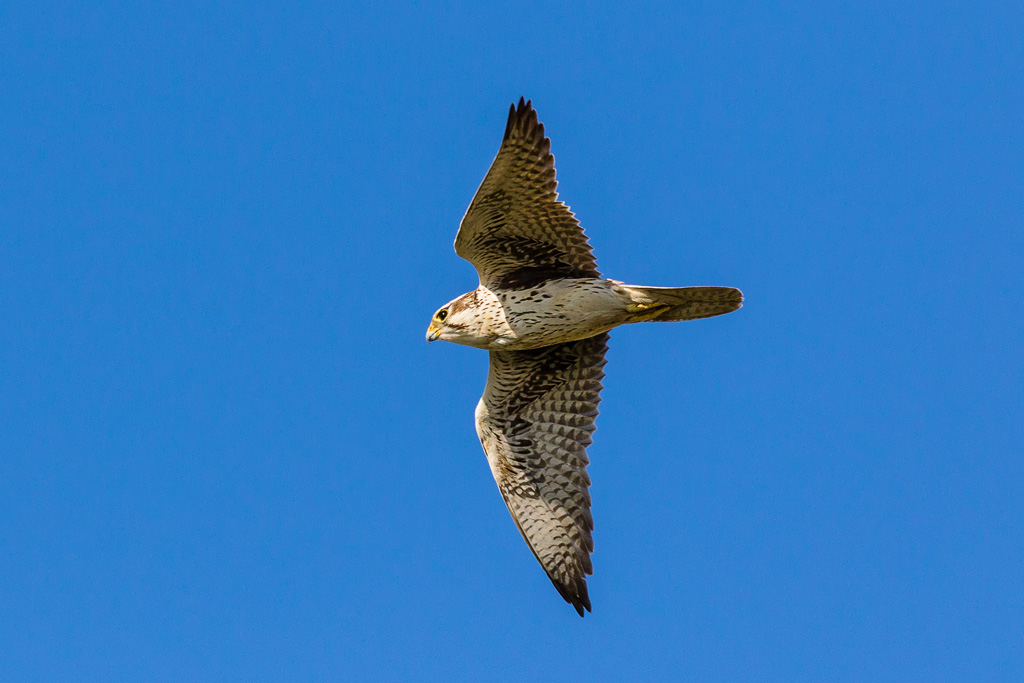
670	304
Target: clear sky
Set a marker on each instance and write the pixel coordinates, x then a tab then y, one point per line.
227	453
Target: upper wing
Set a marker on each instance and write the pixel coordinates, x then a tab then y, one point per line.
535	421
516	232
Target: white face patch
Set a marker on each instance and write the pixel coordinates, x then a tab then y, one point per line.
474	319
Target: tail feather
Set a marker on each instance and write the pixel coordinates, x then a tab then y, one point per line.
669	304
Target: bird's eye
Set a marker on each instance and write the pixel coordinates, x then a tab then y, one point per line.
442	314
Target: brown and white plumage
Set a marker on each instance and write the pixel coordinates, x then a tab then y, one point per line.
515	230
534	421
543	311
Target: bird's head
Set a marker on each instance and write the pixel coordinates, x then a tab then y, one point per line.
457	321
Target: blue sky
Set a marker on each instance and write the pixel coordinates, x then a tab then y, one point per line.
226	452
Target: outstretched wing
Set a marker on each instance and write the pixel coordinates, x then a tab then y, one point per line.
534	421
516	232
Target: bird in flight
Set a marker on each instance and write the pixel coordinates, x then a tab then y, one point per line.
543	311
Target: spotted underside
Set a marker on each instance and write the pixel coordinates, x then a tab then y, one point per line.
543	311
538	410
534	422
516	232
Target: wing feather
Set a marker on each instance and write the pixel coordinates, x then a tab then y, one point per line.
534	421
516	232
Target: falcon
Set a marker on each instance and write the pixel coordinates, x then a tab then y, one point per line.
543	311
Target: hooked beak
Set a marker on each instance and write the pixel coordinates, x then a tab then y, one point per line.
433	333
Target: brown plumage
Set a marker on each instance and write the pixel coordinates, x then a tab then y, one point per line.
543	311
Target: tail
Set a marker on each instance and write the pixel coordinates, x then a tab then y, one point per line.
669	304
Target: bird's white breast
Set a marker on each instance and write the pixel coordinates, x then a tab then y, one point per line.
554	311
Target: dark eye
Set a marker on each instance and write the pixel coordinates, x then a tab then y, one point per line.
442	314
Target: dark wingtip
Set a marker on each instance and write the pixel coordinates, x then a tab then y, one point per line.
520	115
511	121
524	105
580	601
583	604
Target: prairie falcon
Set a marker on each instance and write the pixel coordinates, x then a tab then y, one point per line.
543	311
